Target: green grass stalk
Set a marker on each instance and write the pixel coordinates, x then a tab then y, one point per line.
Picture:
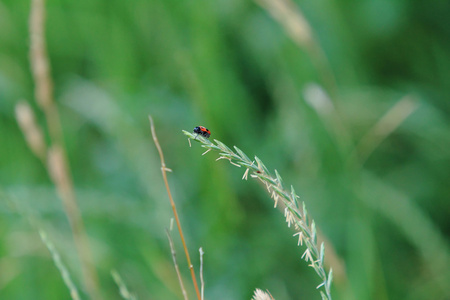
295	215
122	287
60	265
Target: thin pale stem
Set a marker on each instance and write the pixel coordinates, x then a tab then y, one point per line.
202	282
172	203
299	30
57	163
384	127
60	265
122	287
177	269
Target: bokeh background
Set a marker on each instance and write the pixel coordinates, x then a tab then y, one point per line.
356	116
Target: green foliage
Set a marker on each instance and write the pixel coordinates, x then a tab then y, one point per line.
376	183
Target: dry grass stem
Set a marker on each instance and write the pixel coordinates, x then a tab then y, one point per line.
384	127
174	209
40	68
55	157
299	30
31	130
295	215
60	175
175	263
38	55
285	12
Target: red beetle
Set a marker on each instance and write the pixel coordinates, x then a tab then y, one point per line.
203	131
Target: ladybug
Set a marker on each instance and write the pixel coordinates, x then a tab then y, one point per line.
203	131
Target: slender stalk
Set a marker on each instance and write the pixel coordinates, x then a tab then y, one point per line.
177	269
57	163
387	124
172	203
202	282
60	265
122	287
289	15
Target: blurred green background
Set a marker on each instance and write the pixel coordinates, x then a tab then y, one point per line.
379	193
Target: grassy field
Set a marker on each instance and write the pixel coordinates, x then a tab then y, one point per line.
348	100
